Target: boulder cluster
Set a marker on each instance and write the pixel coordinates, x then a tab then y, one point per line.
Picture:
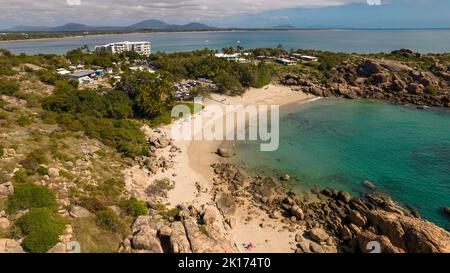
382	79
333	221
195	229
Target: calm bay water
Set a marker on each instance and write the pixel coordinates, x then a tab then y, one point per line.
341	143
361	41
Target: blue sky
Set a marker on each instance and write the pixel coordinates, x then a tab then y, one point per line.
227	13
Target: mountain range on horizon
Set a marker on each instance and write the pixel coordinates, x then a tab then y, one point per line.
151	24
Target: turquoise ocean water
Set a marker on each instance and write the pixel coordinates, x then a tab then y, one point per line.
340	143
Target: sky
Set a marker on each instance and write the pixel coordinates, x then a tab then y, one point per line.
230	13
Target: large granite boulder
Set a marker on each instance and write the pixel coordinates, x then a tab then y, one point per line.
6	189
411	234
179	242
369	67
146	239
318	235
10	246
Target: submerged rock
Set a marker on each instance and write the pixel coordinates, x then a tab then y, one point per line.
369	185
223	152
285	177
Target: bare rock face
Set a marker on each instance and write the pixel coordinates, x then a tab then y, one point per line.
319	235
297	212
146	239
4	224
6	189
213	242
79	212
10	246
369	67
209	215
365	239
178	239
356	218
415	88
411	234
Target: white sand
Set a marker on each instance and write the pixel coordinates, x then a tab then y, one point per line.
193	165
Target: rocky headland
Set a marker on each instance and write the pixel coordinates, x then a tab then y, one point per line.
406	77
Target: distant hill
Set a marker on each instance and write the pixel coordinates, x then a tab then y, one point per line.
161	25
284	27
151	24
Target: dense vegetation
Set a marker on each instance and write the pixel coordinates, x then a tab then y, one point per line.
231	77
41	228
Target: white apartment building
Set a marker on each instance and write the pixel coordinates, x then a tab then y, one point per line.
142	48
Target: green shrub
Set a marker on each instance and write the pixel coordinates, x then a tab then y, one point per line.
42	228
92	204
21	176
29	195
33	160
167	213
3	115
160	187
24	121
108	192
7	69
2	150
47	76
134	207
431	90
107	219
42	170
28	69
203	230
8	87
2	103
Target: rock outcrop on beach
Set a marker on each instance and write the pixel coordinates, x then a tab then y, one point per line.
334	219
384	79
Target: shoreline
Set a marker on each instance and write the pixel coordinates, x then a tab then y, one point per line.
270	225
202	154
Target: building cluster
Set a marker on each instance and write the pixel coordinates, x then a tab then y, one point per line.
91	74
289	60
235	57
142	48
85	76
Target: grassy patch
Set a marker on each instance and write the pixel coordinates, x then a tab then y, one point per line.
108	220
94	239
24	121
29	195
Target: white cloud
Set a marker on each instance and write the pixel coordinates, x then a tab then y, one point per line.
107	12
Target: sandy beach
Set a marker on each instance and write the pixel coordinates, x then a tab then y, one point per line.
193	175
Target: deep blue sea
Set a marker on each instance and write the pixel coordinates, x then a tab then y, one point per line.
341	143
361	41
